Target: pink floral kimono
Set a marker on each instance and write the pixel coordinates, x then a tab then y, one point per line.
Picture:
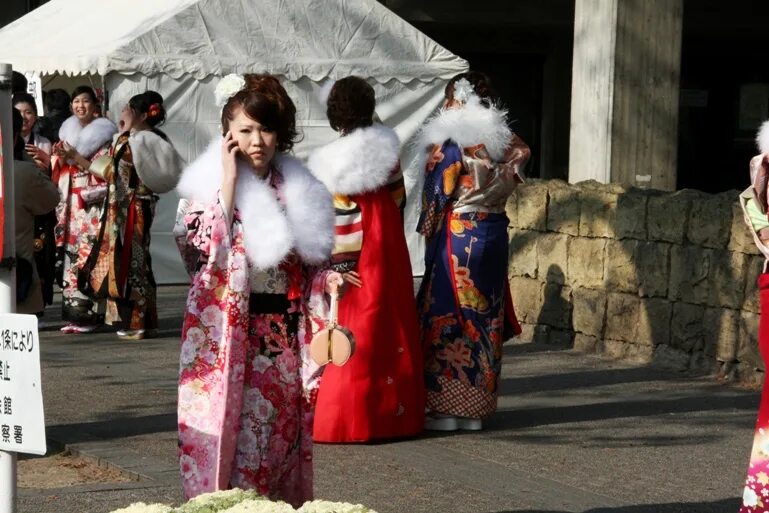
246	387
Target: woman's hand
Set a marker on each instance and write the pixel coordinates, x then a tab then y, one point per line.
335	284
230	157
39	157
353	278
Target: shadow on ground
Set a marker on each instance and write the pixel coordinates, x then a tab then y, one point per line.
722	506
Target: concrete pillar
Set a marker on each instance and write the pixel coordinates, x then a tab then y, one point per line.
625	86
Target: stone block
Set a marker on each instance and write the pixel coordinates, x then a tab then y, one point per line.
686	327
531	200
666	216
527	332
563	208
599	212
541	334
557	307
654	322
753	269
560	338
652	262
587	344
721	327
710	220
748	352
586	262
740	238
527	298
690	274
621	271
511	209
622	350
589	311
670	358
727	279
631	215
553	254
523	253
622	312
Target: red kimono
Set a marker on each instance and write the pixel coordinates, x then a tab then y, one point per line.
379	392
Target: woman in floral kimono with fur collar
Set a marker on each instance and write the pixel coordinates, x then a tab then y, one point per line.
258	224
379	393
755	204
474	163
82	196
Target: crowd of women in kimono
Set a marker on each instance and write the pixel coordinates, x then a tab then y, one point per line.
755	205
274	238
109	183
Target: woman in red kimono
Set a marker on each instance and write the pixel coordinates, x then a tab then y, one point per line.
259	224
379	392
755	496
82	197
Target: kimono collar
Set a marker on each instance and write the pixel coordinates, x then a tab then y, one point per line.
362	161
88	139
468	126
303	222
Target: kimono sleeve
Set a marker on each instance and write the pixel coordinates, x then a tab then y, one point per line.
198	226
441	177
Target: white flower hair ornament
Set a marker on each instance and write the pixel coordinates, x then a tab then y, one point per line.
464	92
228	87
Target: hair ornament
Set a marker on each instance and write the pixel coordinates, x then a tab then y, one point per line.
154	110
228	87
464	91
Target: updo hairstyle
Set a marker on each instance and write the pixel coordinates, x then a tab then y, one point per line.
481	84
264	100
84	89
350	105
151	104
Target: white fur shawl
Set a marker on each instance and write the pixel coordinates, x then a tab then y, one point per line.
359	162
468	126
762	139
270	231
88	139
157	162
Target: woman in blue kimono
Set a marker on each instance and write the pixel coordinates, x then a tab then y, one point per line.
474	163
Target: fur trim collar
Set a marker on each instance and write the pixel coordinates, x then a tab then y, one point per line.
359	162
88	139
468	126
305	224
762	139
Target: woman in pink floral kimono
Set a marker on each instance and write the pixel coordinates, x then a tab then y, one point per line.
257	227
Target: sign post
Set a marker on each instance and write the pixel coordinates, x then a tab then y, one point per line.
7	272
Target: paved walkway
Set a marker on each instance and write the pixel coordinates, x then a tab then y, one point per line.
575	433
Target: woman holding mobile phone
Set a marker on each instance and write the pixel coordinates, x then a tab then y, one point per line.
36	148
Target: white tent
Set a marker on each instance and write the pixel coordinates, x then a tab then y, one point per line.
180	48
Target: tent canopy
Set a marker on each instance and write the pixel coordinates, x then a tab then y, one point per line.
298	38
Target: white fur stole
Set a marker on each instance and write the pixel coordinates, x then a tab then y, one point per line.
88	139
306	224
467	126
157	162
359	162
762	139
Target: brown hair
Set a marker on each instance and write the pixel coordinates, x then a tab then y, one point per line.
350	104
481	84
265	100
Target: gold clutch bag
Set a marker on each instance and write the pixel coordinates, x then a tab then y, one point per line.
101	167
334	343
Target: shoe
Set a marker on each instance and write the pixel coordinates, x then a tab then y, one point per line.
88	328
130	334
68	328
438	422
469	424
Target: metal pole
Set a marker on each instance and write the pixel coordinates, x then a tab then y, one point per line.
7	273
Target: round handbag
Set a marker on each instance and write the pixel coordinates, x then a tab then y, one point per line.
334	343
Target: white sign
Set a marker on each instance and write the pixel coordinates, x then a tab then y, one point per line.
22	422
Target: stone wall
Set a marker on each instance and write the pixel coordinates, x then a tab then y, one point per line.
637	274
